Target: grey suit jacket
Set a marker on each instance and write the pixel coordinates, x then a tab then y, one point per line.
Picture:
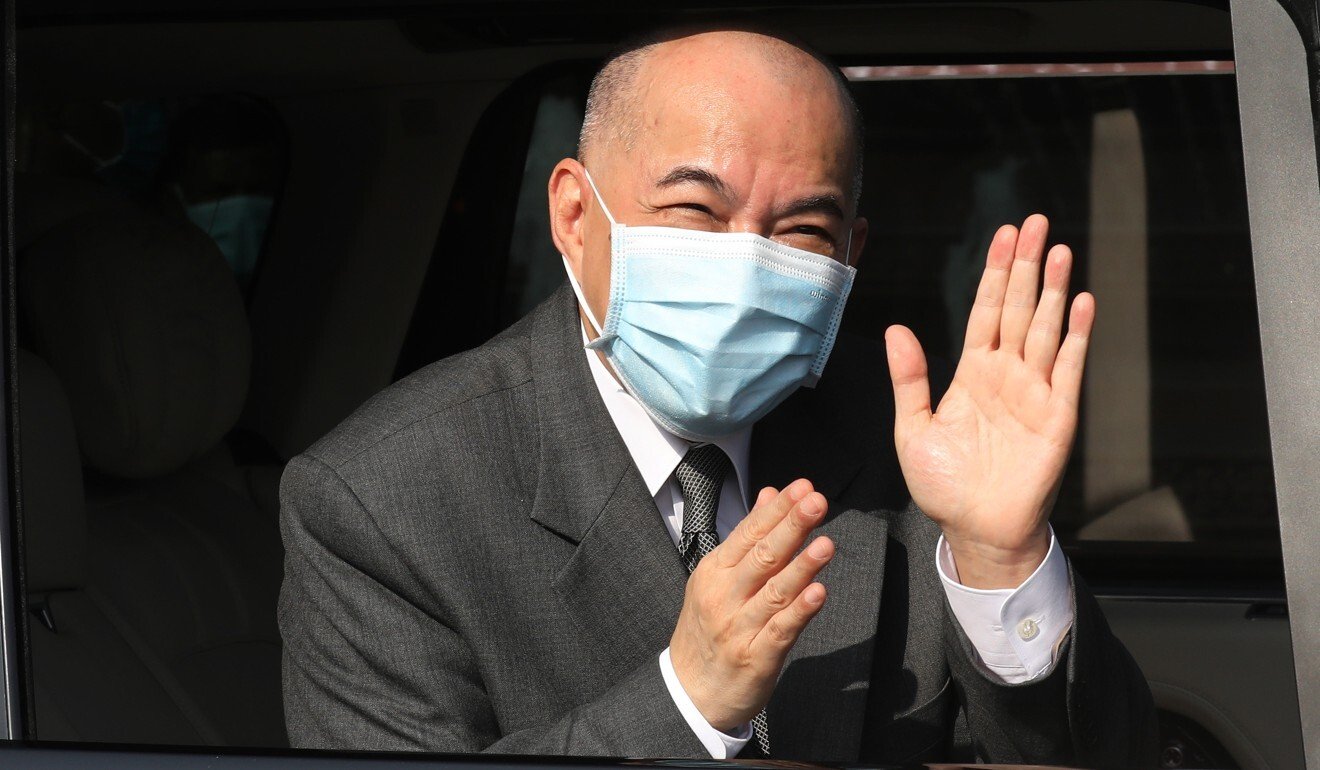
474	564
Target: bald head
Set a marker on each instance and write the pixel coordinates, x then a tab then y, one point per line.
633	85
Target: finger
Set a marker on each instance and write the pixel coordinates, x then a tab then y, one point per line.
1066	379
784	627
770	555
780	590
1047	325
983	324
1020	299
907	369
771	507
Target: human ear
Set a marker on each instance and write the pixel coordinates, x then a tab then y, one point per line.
860	227
567	215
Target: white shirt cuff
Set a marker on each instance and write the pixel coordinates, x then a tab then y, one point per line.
1016	631
720	745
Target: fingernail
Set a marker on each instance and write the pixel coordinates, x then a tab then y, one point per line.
815	597
820	549
809	507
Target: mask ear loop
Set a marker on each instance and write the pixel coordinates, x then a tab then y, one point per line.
582	300
599	199
847	254
572	279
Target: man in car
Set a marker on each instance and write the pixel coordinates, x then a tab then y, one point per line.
624	527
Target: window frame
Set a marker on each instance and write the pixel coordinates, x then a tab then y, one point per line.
1283	195
12	596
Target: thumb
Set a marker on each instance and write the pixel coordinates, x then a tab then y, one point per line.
907	368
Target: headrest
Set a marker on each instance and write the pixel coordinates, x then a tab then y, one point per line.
143	322
54	521
44	202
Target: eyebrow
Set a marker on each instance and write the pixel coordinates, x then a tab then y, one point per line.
820	204
693	175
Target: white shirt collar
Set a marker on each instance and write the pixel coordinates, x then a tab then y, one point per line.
655	451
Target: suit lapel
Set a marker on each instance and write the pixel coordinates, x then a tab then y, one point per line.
623	585
819	705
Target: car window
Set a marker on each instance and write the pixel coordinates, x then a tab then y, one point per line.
215	161
1139	168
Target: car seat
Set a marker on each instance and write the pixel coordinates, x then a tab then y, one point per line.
143	326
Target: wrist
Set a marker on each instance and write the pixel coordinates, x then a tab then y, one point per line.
719	718
989	566
719	744
706	704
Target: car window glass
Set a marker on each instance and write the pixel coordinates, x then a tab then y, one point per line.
151	554
534	267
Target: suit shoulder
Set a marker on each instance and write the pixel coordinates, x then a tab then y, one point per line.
432	393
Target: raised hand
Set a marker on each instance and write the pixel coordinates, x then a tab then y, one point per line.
747	602
987	463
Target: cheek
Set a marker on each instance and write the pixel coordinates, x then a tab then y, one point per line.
596	264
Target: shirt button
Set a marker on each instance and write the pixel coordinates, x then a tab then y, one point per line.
1028	630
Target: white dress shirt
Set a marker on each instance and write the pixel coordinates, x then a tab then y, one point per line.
1016	632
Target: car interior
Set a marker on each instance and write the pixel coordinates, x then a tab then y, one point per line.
232	228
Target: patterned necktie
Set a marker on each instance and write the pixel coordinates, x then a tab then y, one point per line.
701	475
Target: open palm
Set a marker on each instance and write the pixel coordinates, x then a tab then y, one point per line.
986	464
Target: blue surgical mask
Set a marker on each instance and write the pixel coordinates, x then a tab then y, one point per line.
237	224
710	331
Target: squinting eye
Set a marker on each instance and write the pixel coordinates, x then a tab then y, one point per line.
809	238
818	232
697	207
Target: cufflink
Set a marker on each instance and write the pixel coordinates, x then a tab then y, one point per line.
1028	630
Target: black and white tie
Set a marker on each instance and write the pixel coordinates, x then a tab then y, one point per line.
701	475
